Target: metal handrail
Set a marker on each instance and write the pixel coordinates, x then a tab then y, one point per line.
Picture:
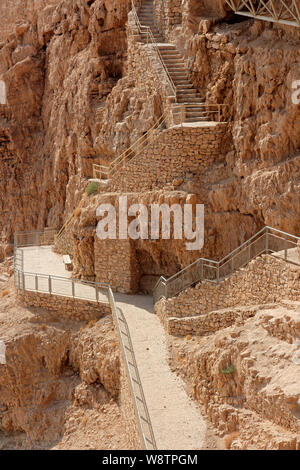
150	38
138	142
137	392
64	227
218	270
145	428
138	147
99	171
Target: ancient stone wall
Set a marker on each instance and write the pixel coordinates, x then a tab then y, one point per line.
265	280
171	155
72	309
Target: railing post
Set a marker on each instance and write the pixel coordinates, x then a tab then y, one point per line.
219	112
36	282
267	241
73	289
201	269
49	285
23	281
218	274
97	294
249	252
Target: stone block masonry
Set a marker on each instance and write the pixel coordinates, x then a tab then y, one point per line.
265	280
65	307
172	154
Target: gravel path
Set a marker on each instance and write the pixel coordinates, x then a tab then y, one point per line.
176	420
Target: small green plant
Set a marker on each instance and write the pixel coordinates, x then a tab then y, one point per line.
228	369
92	188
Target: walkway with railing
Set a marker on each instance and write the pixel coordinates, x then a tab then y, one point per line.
159	398
266	241
106	172
285	12
181	89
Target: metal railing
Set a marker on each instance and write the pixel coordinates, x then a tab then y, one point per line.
94	292
146	30
100	171
64	227
278	11
61	286
134	150
35	238
266	241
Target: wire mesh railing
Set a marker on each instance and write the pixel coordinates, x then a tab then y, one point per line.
266	241
92	292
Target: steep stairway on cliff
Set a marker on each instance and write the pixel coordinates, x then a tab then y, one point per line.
267	241
186	93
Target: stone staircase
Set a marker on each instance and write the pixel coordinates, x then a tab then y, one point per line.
186	93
